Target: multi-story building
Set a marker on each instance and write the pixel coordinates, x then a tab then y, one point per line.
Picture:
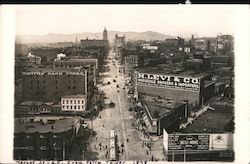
50	84
79	62
33	108
119	47
184	86
174	42
225	45
47	54
73	103
90	43
44	138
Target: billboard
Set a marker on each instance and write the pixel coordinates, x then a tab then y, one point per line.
188	142
167	81
222	141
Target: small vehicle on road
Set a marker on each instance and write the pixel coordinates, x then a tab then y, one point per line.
118	91
117	86
114	80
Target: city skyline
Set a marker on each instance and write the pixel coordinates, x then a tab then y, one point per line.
169	20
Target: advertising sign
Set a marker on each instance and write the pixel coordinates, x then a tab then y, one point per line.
188	142
220	141
166	81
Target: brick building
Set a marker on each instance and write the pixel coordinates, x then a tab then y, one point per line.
50	84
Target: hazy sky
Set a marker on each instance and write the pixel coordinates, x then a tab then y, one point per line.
167	19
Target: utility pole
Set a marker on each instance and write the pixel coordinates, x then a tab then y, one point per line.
173	149
63	150
184	154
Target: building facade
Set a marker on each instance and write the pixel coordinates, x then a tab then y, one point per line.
44	139
50	84
185	87
73	103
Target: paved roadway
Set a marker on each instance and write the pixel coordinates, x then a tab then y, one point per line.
119	119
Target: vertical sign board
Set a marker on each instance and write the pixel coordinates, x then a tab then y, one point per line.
187	142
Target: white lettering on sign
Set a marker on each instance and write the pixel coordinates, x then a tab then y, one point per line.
53	73
177	82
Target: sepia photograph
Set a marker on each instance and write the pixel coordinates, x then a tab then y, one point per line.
149	83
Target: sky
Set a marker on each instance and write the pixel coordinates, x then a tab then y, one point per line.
167	19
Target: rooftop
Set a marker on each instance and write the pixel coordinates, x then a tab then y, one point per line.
159	106
213	121
35	103
207	83
45	70
55	126
160	70
74	96
76	60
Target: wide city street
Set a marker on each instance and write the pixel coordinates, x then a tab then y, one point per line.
118	118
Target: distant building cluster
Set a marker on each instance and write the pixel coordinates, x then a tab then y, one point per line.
181	89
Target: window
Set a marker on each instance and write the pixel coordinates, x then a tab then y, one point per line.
37	87
82	107
44	81
67	101
69	81
74	101
63	107
68	87
56	81
71	107
56	87
31	81
67	107
78	101
63	101
79	107
74	87
82	101
74	107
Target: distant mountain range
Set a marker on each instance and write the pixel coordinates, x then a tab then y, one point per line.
53	38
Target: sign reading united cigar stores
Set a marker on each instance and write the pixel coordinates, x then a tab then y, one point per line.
166	81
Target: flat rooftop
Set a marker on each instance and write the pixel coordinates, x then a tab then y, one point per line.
158	106
213	121
34	103
76	60
54	126
75	96
52	69
160	70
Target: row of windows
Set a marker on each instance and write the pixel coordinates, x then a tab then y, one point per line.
38	87
71	101
64	73
25	109
75	107
31	81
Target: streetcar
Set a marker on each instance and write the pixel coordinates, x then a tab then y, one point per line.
112	154
112	134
